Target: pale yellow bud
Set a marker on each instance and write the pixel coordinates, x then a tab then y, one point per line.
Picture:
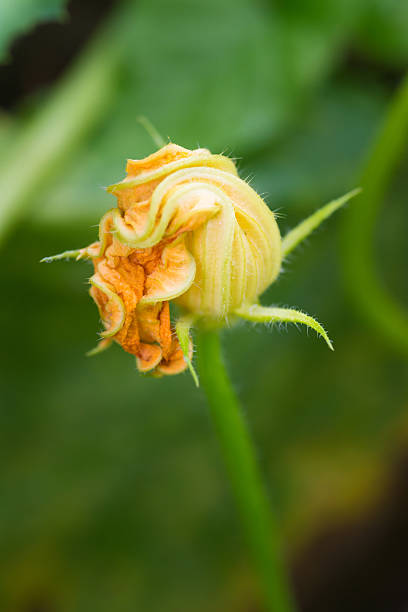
227	228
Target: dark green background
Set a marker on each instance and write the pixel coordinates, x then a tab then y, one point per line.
113	492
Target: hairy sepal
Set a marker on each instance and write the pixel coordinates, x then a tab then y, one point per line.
271	314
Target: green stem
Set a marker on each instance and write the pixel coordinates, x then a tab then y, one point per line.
378	306
258	522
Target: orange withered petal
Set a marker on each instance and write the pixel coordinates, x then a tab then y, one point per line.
157	160
172	276
110	306
149	357
176	362
123	278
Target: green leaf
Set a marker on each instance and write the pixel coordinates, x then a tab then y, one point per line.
382	34
236	88
17	16
335	132
55	131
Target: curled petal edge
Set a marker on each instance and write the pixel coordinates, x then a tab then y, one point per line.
152	233
177	286
204	159
149	359
116	301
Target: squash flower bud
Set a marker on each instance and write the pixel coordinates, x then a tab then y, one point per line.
186	229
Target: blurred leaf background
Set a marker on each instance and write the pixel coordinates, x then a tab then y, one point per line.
113	493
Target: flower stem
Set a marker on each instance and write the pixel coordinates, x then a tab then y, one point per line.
257	519
370	294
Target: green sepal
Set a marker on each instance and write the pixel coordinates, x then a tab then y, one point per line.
151	130
263	314
183	326
308	225
76	254
100	347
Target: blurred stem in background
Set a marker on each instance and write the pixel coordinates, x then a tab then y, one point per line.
76	105
372	298
257	519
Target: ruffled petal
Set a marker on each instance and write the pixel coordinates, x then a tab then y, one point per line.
179	204
175	364
110	305
143	175
148	357
173	275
